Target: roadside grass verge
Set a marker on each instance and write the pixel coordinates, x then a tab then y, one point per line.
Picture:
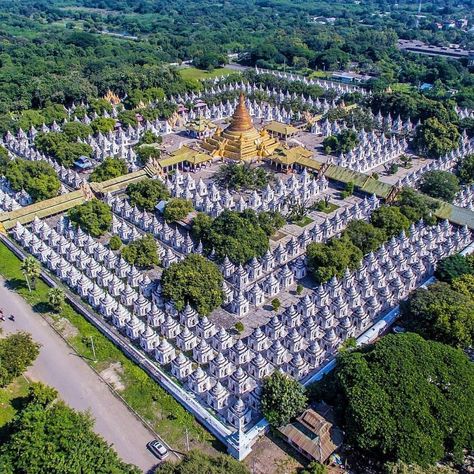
144	395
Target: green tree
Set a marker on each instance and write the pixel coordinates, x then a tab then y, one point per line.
365	236
59	145
343	142
142	252
465	169
17	352
194	280
276	304
148	138
108	169
4	159
48	436
315	467
403	398
235	234
270	221
416	206
464	284
56	298
75	130
241	176
103	125
115	242
201	225
145	152
177	209
197	461
441	313
453	267
299	289
326	260
146	194
37	178
94	217
239	327
31	268
434	138
390	219
283	398
440	184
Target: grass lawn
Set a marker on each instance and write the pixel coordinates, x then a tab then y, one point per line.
303	222
151	401
8	397
199	74
326	209
319	75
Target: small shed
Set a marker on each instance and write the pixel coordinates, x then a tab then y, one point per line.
313	435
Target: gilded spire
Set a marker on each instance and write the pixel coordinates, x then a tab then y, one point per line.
241	121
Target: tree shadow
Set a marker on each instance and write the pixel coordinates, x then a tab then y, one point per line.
15	284
41	307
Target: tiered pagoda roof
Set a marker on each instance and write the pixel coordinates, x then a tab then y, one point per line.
240	140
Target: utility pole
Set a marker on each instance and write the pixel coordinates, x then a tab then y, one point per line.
187	439
93	349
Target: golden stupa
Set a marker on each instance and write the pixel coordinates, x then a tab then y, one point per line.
240	140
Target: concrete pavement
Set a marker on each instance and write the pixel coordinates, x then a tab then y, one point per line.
78	385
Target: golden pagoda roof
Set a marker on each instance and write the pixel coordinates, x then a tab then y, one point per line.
241	120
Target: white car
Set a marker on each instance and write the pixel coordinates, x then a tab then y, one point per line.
157	448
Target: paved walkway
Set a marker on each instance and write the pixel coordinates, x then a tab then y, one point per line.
78	385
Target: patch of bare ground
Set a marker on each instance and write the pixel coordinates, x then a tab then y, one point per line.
65	328
112	375
271	455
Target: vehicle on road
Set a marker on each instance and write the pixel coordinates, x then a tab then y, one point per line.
158	449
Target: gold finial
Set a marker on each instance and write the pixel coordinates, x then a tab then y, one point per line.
241	121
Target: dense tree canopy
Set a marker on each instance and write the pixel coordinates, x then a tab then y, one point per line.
108	169
453	267
48	436
465	169
17	352
415	206
441	313
434	138
440	184
343	142
37	178
239	176
390	219
283	398
393	400
326	260
93	216
177	209
365	236
62	147
146	194
142	252
194	280
238	235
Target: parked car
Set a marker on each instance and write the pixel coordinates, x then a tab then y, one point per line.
157	448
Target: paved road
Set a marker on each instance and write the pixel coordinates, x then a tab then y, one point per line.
78	385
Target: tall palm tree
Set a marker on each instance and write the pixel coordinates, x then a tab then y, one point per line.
32	270
56	298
